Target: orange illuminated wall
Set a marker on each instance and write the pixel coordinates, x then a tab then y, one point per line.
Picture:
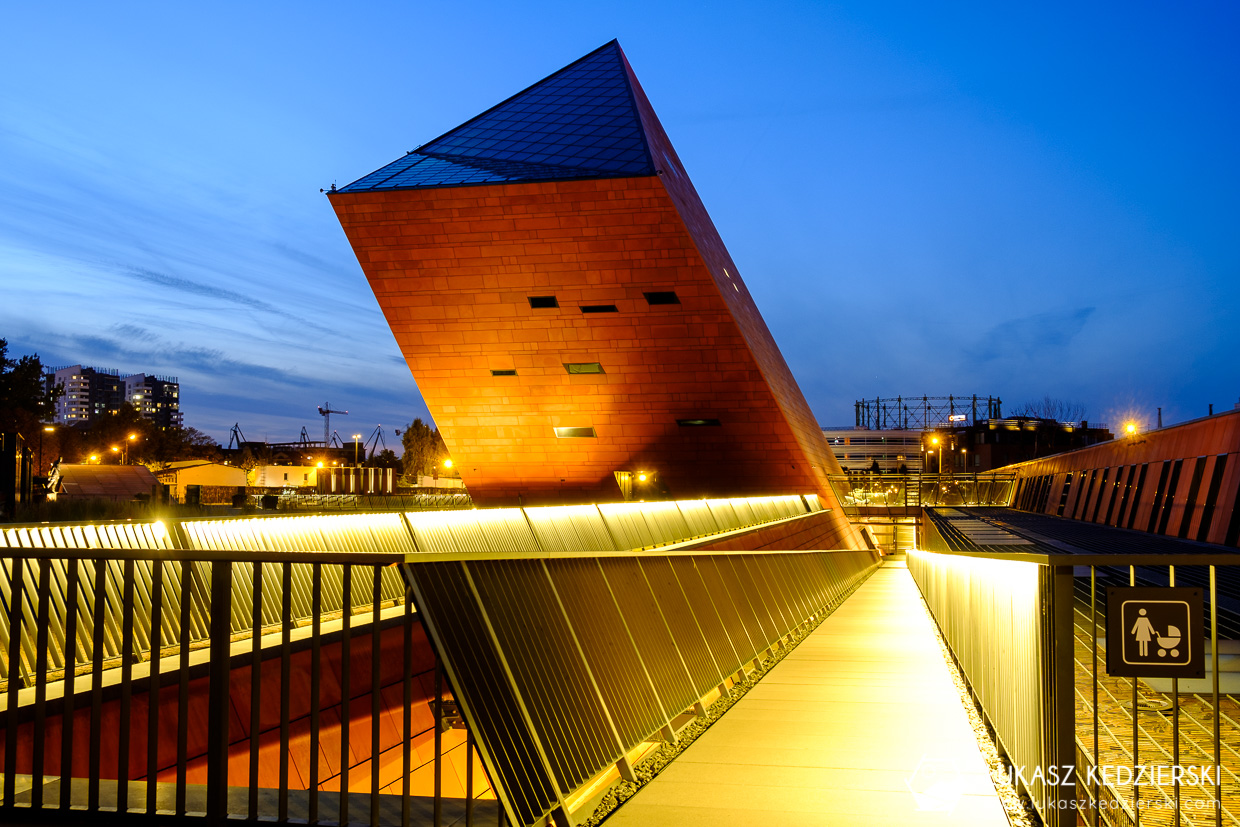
1182	481
454	269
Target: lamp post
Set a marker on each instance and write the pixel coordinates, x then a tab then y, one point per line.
123	450
47	429
356	437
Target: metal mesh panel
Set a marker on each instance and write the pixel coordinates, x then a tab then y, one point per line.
747	635
481	683
547	668
751	586
722	648
690	638
698	517
724	514
628	524
152	535
608	649
498	529
744	512
645	620
570	528
342	533
773	593
666	522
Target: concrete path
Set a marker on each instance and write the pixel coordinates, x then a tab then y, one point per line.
836	732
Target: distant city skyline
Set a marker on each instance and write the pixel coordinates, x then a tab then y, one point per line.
985	200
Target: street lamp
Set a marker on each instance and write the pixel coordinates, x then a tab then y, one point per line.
356	437
123	450
447	463
47	429
1130	428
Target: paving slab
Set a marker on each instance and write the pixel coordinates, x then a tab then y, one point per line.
860	724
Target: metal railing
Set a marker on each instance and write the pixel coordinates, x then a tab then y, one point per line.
881	494
262	666
362	502
146	704
1028	633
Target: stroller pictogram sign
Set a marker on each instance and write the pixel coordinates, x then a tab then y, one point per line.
1154	633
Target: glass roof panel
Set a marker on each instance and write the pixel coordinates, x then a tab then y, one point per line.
578	123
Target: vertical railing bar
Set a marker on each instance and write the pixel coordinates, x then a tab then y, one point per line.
469	778
122	757
346	605
99	619
183	635
153	690
376	586
1136	791
15	654
316	601
256	683
1218	758
1175	723
40	686
218	708
407	730
1093	632
286	630
66	731
438	702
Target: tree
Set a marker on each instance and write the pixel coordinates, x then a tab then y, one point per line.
1050	408
122	435
384	459
25	400
175	444
424	450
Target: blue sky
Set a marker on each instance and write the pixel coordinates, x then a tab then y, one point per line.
923	198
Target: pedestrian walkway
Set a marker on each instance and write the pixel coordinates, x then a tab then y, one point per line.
836	732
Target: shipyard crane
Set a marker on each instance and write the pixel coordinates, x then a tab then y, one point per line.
236	437
326	412
375	440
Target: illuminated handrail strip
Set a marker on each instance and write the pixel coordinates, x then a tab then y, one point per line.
369	539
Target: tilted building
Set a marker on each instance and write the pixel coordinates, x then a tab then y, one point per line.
569	310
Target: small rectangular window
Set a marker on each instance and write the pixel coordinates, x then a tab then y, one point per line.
583	367
543	301
688	423
662	297
599	308
574	433
503	373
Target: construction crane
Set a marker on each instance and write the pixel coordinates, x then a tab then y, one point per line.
326	412
236	437
375	440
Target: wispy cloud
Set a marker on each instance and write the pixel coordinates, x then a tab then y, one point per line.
195	288
1030	337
